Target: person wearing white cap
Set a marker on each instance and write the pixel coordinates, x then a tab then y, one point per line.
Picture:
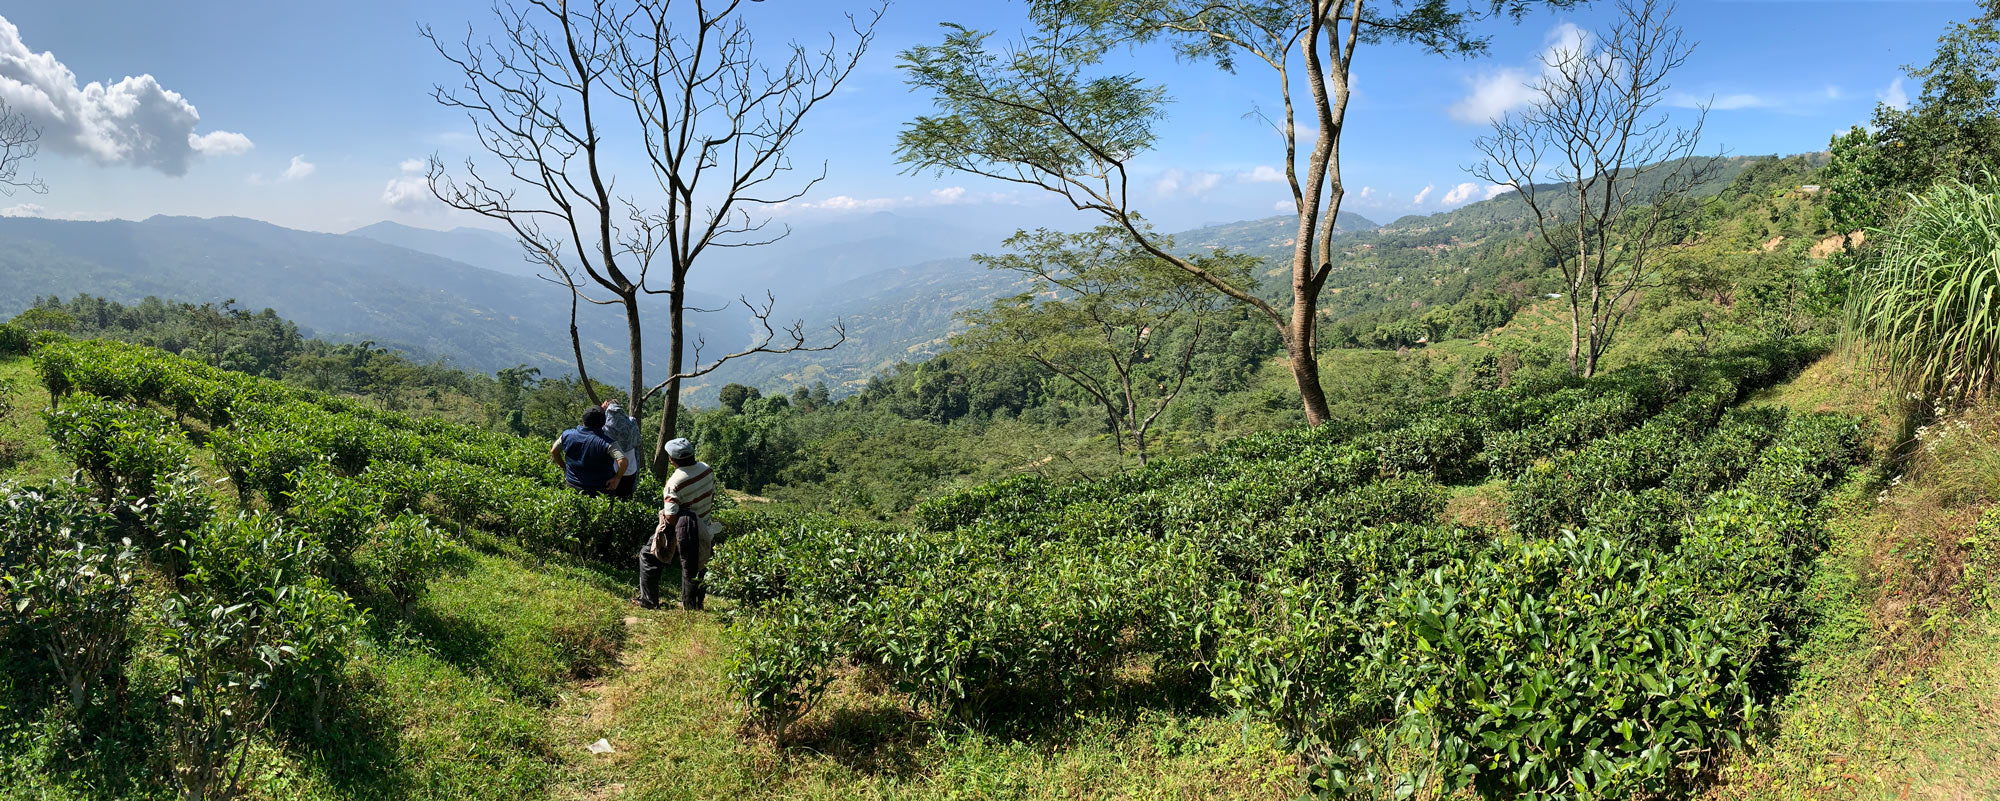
685	532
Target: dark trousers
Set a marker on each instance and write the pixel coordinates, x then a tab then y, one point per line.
625	487
686	549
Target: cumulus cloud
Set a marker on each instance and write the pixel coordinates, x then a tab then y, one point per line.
1469	191
1507	89
1894	96
24	210
1366	193
1421	194
299	169
409	191
948	195
1181	182
1263	174
220	143
134	122
1284	205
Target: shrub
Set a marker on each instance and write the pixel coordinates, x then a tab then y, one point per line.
336	509
1443	446
253	618
780	665
402	556
124	451
67	583
13	340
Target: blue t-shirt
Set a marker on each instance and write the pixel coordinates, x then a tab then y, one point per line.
588	458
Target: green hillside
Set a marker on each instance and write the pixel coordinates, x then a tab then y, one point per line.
478	657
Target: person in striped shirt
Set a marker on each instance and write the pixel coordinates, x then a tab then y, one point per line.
685	532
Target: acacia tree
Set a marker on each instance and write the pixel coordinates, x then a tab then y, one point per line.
708	113
1029	114
1110	318
1606	176
20	140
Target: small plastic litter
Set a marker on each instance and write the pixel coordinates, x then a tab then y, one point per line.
602	746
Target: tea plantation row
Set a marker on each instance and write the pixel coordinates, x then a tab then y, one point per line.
258	615
1612	638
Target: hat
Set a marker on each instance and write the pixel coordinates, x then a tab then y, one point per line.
679	449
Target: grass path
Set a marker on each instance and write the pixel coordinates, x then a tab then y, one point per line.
668	715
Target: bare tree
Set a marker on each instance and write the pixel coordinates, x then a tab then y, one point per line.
711	117
712	110
1601	167
1029	115
19	142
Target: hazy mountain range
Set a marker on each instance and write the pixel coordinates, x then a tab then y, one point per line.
467	296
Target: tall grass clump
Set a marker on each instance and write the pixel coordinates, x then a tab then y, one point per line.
1926	304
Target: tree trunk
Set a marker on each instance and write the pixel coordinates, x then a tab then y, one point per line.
1575	333
1305	363
638	377
670	406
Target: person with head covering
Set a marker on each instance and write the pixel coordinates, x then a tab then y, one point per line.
685	533
591	464
623	431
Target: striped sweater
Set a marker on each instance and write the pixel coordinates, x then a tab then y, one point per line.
690	489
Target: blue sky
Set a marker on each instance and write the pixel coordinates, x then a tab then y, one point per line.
308	112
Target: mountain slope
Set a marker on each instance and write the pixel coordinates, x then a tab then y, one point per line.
475	246
339	287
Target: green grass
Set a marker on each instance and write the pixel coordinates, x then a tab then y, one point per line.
678	736
24	441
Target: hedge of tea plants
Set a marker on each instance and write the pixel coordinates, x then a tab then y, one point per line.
336	499
1618	633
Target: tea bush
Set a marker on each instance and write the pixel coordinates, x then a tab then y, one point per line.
68	583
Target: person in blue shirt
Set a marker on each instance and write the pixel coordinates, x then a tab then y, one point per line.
591	463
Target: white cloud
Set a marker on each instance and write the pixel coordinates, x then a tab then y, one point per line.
1365	194
24	210
1508	89
944	196
1421	194
1497	190
220	143
1738	100
1460	193
134	122
849	203
1176	181
1894	96
409	191
299	169
1284	205
1263	174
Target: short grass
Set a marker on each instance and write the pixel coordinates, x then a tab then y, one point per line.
677	735
24	441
